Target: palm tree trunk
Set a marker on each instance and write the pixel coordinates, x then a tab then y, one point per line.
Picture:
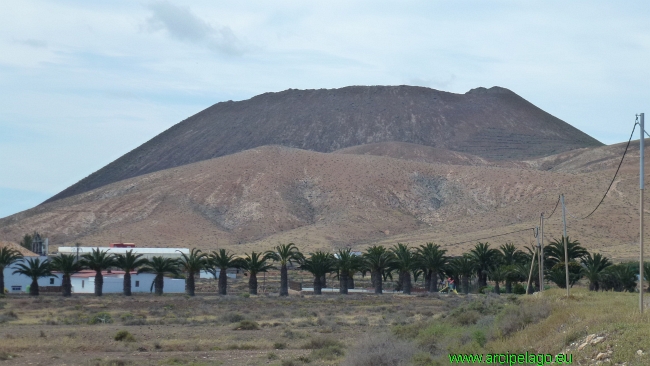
126	287
465	281
223	281
160	283
33	288
252	284
2	281
284	281
189	284
377	282
497	289
317	285
66	286
406	285
99	283
343	283
323	281
434	281
427	280
400	281
508	286
373	278
350	281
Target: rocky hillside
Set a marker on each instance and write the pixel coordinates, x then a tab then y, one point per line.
494	124
257	198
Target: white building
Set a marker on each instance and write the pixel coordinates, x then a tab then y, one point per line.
147	253
84	282
17	283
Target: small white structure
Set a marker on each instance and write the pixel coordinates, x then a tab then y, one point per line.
17	283
84	282
230	274
147	253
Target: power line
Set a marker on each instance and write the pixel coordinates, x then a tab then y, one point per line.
617	169
556	204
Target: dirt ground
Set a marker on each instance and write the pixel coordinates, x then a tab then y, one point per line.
203	330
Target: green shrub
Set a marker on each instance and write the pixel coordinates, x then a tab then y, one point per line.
101	318
125	336
479	337
328	353
247	325
321	342
468	317
516	317
518	289
232	318
279	345
381	350
4	356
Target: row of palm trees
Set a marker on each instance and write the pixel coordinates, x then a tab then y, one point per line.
504	265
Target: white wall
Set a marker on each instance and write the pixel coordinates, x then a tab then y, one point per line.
16	283
114	284
206	274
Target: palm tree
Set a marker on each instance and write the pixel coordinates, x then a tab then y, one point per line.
7	257
432	260
128	263
498	274
377	260
592	268
68	265
484	259
554	252
347	264
319	264
463	267
619	277
191	264
160	267
404	262
98	260
510	257
255	263
221	260
285	254
34	269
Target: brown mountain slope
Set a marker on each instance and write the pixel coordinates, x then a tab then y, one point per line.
14	246
588	159
260	197
491	123
427	154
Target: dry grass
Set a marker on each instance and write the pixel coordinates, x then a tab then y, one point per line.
173	329
612	315
318	330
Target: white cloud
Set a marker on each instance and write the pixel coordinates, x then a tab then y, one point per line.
180	23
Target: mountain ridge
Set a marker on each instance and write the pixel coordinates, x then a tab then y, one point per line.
493	123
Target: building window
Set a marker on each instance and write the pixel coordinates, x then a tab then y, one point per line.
51	281
137	283
82	283
16	288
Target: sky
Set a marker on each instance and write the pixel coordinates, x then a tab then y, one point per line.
84	82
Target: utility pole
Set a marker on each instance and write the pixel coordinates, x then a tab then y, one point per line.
530	275
566	243
541	255
641	186
539	267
